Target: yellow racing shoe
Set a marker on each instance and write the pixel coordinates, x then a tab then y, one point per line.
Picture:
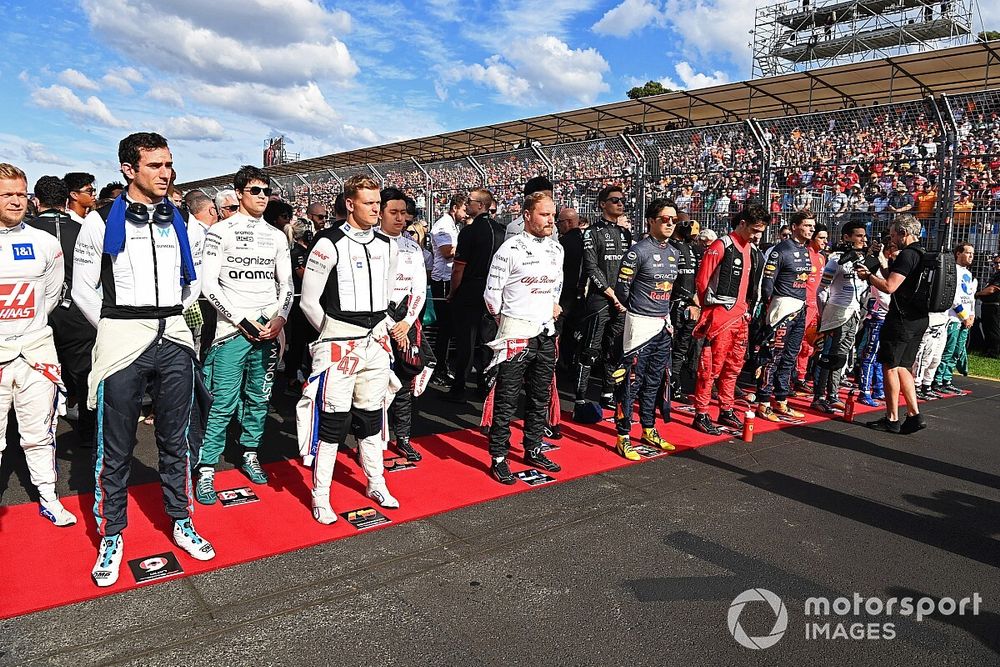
765	412
624	447
782	409
651	437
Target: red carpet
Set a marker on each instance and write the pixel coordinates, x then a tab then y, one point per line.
55	570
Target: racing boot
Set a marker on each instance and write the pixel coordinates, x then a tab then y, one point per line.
553	432
765	412
537	459
407	450
624	447
822	405
188	539
651	437
321	509
703	423
54	511
782	409
379	492
731	419
204	490
866	399
109	559
501	471
251	466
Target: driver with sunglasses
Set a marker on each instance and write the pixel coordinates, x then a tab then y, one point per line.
604	245
247	276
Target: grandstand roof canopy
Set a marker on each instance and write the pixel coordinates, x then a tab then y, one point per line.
900	78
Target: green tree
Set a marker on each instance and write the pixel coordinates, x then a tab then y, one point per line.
647	89
988	35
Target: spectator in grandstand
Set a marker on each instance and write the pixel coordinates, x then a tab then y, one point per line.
603	319
787	267
444	239
82	193
316	213
900	201
926	200
72	334
990	298
963	209
905	323
473	326
726	286
226	204
961	317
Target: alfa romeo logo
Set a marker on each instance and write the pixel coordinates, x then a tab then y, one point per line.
780	622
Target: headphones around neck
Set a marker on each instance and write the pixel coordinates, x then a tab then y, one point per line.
138	213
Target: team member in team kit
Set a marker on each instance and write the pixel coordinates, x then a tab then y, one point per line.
645	283
727	291
31	283
345	296
522	293
961	317
843	295
409	291
787	267
444	243
247	276
816	247
134	274
603	318
684	309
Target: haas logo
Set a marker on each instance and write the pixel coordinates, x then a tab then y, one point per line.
17	301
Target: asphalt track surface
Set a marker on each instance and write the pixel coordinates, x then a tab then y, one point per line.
634	566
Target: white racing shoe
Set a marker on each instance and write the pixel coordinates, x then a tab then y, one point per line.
188	539
379	492
109	559
54	511
322	511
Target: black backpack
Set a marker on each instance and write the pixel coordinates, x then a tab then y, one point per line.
938	281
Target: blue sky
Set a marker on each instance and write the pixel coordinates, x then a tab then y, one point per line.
217	78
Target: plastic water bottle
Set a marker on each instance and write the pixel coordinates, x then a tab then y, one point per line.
849	407
748	425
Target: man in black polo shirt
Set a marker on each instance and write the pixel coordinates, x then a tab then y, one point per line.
904	327
473	327
990	297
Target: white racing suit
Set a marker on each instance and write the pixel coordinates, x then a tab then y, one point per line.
930	350
31	278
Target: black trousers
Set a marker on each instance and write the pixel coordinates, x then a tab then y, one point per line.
601	327
168	370
530	373
299	334
443	319
401	408
991	328
682	340
74	339
474	327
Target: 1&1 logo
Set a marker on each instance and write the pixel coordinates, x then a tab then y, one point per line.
780	622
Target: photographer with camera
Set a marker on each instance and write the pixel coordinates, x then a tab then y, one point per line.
841	296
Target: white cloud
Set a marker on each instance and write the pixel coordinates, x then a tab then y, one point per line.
117	82
129	74
197	128
210	43
165	94
77	79
300	108
690	79
540	69
37	153
714	27
628	17
64	99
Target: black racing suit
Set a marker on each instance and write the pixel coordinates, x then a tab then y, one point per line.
787	267
601	326
645	282
74	336
681	300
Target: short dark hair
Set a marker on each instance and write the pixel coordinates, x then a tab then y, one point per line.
537	184
959	249
106	191
391	194
606	191
340	206
654	207
457	200
77	180
799	216
411	206
276	209
129	148
248	174
849	227
51	192
751	214
821	227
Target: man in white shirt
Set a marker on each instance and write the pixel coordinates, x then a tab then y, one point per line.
961	317
82	193
444	240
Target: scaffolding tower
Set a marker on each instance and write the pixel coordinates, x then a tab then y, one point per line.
795	35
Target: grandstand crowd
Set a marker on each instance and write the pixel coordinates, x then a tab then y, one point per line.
702	294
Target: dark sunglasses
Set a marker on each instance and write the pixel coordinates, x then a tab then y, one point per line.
232	209
256	190
616	200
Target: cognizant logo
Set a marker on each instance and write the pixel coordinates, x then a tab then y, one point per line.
780	618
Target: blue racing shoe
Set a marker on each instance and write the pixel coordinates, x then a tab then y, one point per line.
867	399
